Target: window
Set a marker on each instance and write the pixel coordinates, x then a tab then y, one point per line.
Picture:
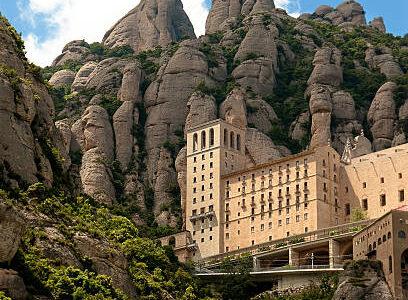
262	227
401	234
287	220
202	167
280	223
364	185
390	264
194	200
202	240
382	180
202	177
210	237
305	161
270	225
324	163
384	238
383	200
347	209
226	249
203	157
306	216
297	218
194	170
401	196
211	208
211	165
211	154
399	175
306	229
202	210
211	176
270	238
202	188
365	204
379	241
239	232
227	235
194	190
225	138
232	140
202	198
195	142
238	142
252	229
305	173
253	242
270	171
370	248
194	212
211	138
389	235
211	185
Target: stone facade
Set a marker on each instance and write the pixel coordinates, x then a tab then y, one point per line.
233	202
385	240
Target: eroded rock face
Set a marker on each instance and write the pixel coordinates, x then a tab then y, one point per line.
81	76
202	109
260	114
94	135
181	168
327	67
375	286
106	260
222	10
152	23
260	148
347	12
378	23
381	116
63	77
299	128
344	106
11	230
72	51
385	61
130	89
233	109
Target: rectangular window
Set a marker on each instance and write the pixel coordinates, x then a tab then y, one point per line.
383	200
280	223
365	204
211	165
252	229
347	209
306	216
211	155
287	221
195	159
262	227
211	208
401	195
227	235
364	185
270	225
297	218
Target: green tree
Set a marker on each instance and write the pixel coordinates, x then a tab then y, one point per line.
358	215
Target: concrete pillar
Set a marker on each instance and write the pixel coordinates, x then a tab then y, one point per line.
334	253
255	263
294	257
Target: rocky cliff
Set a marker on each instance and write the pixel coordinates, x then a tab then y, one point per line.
110	121
124	105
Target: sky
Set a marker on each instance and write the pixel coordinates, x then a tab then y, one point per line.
47	25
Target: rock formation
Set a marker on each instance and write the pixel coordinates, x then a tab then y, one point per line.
378	23
381	116
152	23
362	280
221	11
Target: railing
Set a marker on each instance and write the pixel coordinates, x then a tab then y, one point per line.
288	241
267	270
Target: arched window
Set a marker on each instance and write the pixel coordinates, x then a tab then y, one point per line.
211	137
379	241
195	142
225	138
232	140
203	139
374	245
389	235
390	264
238	142
401	234
384	238
370	248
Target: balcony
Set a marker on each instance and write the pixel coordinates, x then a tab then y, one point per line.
192	247
209	214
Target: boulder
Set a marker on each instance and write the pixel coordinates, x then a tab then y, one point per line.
152	23
13	285
73	51
323	10
375	286
130	89
65	131
12	227
62	78
327	68
107	75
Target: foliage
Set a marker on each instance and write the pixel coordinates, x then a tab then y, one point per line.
3	296
358	215
210	55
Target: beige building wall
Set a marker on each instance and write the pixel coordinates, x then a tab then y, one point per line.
213	149
370	177
386	240
283	198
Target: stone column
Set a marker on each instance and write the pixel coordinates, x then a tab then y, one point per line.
334	253
294	257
